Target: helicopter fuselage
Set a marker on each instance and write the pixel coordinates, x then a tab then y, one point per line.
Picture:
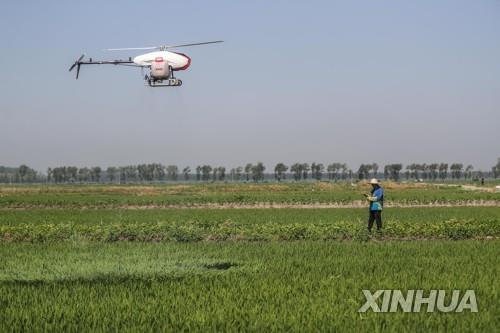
177	61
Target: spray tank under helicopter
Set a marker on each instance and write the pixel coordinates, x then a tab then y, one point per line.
161	74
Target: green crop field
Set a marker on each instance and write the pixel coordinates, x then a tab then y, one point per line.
123	196
241	257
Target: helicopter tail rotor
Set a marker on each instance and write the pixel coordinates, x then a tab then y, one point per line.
77	64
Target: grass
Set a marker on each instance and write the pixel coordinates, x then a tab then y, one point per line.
183	225
271	286
83	258
78	196
244	216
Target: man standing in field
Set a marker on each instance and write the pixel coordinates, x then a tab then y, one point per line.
376	200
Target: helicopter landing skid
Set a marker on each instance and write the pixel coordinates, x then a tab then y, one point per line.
164	83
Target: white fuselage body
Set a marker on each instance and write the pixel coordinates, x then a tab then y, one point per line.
178	61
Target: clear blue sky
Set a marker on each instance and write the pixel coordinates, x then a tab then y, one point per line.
324	81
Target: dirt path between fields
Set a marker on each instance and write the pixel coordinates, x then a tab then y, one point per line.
264	205
471	187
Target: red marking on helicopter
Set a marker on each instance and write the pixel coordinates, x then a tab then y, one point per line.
186	65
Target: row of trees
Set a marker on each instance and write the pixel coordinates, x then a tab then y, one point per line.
495	170
438	170
74	174
300	171
21	174
154	172
250	172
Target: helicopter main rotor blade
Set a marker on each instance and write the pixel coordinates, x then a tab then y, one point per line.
163	47
192	44
133	48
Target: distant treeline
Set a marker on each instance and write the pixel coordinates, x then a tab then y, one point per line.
156	172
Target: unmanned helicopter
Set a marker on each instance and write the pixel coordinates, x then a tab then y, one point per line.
161	63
